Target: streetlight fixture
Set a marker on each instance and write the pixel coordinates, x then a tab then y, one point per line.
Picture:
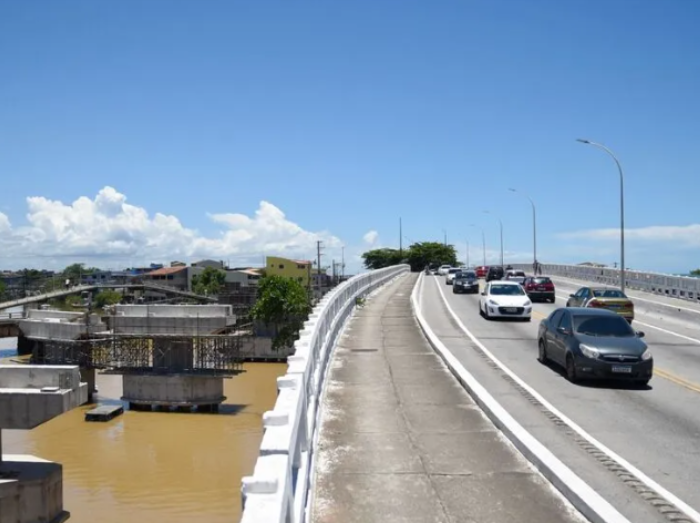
483	240
501	224
534	229
622	207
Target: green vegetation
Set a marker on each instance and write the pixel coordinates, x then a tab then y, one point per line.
283	303
3	289
73	301
76	270
107	297
210	282
418	255
695	272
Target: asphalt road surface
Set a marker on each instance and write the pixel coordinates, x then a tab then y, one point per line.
656	429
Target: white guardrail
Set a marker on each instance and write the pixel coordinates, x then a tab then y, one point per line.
682	287
278	490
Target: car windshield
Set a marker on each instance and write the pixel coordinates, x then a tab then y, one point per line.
467	275
507	290
608	293
542	281
603	326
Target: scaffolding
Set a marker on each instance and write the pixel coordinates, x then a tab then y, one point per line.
161	354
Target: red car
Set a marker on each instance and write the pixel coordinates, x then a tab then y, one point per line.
482	271
539	288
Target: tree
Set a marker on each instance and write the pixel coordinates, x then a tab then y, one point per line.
431	253
695	272
210	282
3	289
107	297
380	258
283	303
75	271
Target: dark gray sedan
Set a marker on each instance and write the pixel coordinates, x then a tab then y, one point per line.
594	343
465	282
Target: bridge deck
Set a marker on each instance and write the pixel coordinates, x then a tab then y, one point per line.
402	441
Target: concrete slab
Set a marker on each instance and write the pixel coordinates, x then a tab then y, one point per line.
401	441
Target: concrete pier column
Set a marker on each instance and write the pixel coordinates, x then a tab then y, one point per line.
88	376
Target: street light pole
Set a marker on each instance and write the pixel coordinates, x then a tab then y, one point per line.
501	224
622	207
534	229
467	254
444	232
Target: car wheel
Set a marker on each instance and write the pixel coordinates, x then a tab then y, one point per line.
571	369
542	353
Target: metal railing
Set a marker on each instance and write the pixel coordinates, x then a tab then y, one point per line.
682	287
12	315
278	490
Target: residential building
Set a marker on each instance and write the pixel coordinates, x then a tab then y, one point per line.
299	270
178	277
210	263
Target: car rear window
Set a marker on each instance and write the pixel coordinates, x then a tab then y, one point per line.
467	275
608	293
542	281
453	271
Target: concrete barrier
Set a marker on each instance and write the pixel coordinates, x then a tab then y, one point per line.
278	490
681	287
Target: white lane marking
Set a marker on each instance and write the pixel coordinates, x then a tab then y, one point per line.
671	498
584	498
591	284
665	331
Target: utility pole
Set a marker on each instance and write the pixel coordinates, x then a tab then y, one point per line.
467	254
400	239
319	244
342	269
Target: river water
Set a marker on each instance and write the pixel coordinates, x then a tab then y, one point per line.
157	467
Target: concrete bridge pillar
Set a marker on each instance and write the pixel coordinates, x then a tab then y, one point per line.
88	376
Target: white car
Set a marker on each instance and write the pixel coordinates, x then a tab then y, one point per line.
450	276
505	299
443	269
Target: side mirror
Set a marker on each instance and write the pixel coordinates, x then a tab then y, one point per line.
640	334
572	295
563	330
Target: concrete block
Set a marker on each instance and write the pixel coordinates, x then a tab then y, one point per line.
174	390
39	490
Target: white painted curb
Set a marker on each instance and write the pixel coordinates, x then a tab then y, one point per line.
586	500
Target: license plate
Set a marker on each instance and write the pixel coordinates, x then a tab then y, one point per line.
613	306
622	369
510	309
541	288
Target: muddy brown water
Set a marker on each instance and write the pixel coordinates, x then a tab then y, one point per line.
157	467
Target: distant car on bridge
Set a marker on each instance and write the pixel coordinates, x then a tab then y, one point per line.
594	343
505	299
540	288
482	271
603	298
465	282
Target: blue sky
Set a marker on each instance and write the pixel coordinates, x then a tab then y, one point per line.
346	116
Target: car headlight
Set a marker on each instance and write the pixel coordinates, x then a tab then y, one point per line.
528	303
589	352
646	355
493	302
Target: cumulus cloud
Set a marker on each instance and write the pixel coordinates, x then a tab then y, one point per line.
680	235
371	237
109	227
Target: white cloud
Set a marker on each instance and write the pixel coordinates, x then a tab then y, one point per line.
371	237
108	227
679	235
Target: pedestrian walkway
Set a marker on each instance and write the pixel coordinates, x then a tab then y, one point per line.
401	441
